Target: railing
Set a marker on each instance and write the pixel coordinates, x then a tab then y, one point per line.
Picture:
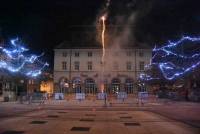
33	98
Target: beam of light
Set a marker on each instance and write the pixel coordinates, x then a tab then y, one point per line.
103	37
103	18
168	60
16	61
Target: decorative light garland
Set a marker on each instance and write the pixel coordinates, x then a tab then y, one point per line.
14	60
170	69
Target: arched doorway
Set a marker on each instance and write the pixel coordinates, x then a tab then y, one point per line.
129	86
76	85
90	86
64	85
115	85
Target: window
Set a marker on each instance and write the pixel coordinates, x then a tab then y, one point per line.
102	63
115	54
115	85
30	82
141	65
64	65
76	54
89	65
128	53
76	65
64	54
128	65
90	86
129	86
76	85
89	54
141	54
115	66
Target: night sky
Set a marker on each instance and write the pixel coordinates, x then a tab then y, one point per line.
44	24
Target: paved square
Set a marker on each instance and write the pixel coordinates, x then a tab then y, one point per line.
98	122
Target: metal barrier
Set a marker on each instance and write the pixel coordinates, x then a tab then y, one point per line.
59	96
122	95
80	96
142	97
101	96
37	98
32	98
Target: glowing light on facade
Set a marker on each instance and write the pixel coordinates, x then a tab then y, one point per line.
103	18
103	37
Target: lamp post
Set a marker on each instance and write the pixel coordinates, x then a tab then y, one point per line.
70	68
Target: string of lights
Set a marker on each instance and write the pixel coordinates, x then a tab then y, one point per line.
168	60
146	77
14	60
167	52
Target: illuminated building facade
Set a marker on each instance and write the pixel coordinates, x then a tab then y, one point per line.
79	69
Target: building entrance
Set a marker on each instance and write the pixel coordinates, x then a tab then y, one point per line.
76	85
115	85
129	86
64	85
90	86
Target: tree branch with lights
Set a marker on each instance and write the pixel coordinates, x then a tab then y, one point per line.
174	60
15	59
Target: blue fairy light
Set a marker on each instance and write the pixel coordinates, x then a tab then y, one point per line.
166	59
14	60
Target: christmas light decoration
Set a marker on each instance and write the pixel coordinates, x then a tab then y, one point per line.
14	60
174	64
171	45
146	77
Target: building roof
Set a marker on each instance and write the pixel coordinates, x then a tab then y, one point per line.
77	45
87	38
95	45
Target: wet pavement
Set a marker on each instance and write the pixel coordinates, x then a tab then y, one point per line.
99	122
89	116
